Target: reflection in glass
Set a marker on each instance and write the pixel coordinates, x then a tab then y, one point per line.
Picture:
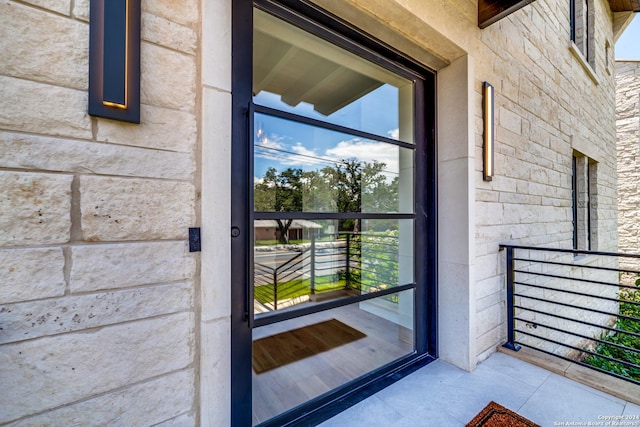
303	168
298	72
325	259
302	358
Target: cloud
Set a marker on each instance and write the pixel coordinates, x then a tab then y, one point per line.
367	151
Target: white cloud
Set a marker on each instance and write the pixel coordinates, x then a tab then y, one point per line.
367	151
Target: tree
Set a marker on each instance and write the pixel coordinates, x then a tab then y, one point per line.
279	193
351	186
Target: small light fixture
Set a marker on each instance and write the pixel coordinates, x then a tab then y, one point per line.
489	131
114	59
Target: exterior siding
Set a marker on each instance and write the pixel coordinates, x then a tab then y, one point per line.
628	125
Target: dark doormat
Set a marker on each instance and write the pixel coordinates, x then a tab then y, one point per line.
495	415
287	347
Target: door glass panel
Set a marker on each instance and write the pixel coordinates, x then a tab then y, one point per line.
302	358
323	260
333	215
304	168
297	72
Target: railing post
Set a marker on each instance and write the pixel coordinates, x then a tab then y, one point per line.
347	267
313	262
510	344
275	289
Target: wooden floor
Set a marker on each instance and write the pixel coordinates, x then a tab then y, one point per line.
285	387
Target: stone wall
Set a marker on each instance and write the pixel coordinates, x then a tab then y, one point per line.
98	324
628	126
548	105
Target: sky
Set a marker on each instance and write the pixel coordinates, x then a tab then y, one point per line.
628	45
280	143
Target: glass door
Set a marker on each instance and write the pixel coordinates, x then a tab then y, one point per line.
335	288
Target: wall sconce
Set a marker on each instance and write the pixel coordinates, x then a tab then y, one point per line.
489	131
114	59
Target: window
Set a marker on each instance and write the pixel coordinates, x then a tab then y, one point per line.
582	29
584	203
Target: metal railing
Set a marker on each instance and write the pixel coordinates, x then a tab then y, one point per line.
342	260
581	306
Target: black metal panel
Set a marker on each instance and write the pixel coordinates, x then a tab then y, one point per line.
242	44
114	59
194	239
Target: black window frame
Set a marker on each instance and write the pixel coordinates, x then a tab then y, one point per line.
333	29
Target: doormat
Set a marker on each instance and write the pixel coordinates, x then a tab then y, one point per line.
287	347
495	415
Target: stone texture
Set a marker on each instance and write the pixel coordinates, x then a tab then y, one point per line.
167	78
81	10
22	151
120	408
215	383
34	208
180	11
216	247
49	372
28	50
96	267
135	209
185	420
160	129
216	31
54	316
59	6
169	34
29	274
628	135
29	106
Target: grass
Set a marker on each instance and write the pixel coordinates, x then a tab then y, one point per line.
297	288
622	338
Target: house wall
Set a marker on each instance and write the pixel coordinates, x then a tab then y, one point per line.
628	126
549	102
107	318
99	295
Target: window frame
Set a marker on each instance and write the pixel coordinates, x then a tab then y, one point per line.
584	202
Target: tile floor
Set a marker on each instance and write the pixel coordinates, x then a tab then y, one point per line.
443	395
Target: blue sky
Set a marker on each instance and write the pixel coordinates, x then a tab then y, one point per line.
628	45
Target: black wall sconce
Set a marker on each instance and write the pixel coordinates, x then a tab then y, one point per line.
114	59
489	131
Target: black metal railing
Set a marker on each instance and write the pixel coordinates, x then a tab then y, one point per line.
581	306
339	262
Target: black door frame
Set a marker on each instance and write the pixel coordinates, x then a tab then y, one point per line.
425	296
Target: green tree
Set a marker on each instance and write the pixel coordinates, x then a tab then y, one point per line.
279	192
350	186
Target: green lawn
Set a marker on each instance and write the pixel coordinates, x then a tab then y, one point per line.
296	288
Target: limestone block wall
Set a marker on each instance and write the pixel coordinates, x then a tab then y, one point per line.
549	104
628	127
97	287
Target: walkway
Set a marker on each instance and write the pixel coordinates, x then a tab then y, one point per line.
442	395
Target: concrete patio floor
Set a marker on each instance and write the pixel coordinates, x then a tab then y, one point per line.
443	395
